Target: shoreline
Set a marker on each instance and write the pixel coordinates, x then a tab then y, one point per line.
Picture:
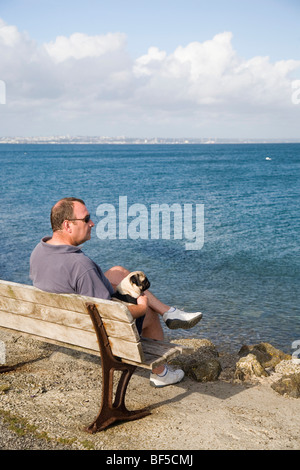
46	403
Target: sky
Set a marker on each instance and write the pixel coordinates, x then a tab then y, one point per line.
134	68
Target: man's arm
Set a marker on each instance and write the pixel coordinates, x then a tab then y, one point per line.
94	285
140	309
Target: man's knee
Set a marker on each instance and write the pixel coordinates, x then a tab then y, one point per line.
116	274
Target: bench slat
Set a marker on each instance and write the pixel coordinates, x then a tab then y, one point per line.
68	318
31	294
159	352
69	335
153	346
44	312
49	330
71	302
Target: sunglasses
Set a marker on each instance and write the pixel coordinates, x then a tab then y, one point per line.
85	219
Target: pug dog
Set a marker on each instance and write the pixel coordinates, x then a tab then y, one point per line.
131	287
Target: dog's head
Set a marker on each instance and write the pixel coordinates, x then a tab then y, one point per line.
134	284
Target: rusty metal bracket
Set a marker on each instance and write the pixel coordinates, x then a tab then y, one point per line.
111	411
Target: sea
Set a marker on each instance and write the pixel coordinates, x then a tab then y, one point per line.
243	275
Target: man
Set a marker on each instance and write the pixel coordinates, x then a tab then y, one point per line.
58	265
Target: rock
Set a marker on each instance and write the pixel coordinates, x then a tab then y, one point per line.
289	382
206	371
4	388
202	364
288	385
287	367
257	359
266	354
249	367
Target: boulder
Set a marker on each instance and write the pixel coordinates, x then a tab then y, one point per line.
257	360
202	364
288	385
287	367
205	371
265	353
289	382
248	367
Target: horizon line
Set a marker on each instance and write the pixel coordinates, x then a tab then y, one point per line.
77	139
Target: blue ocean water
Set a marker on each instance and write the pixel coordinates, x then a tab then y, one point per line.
245	279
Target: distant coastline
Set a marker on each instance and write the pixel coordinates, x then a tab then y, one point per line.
121	140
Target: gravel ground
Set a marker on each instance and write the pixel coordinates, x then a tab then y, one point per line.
10	440
46	403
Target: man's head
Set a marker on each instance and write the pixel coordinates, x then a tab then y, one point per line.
70	220
63	210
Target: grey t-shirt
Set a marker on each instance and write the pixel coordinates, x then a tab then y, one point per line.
65	269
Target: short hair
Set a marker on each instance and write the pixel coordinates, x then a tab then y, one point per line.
63	210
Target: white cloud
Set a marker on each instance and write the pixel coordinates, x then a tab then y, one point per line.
79	46
9	35
212	73
90	85
145	64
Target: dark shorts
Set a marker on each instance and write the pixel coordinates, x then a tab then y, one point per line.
139	323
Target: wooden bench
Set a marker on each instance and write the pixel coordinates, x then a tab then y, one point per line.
101	327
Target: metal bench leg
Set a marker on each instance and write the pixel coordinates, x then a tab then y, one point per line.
111	412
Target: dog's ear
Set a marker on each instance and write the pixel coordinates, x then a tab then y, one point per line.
135	279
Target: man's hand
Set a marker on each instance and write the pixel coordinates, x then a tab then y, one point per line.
143	300
140	309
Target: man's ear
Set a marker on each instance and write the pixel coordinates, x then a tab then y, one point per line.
66	226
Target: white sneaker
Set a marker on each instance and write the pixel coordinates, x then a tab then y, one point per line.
171	377
179	319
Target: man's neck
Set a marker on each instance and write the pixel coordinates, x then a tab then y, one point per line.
58	238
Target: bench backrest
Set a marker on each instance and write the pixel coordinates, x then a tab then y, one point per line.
64	318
